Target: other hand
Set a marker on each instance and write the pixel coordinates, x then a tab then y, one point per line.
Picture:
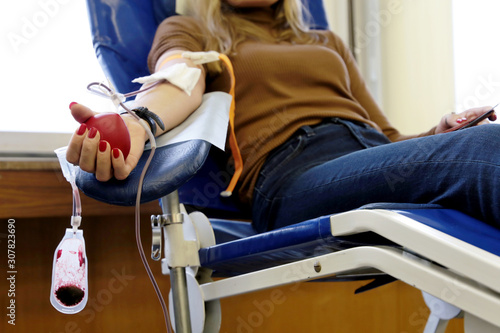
455	119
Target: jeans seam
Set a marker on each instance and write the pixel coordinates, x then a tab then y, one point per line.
294	153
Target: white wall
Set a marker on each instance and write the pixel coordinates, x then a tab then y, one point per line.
476	49
336	11
405	51
417	62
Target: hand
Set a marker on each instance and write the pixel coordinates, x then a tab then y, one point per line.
86	150
454	119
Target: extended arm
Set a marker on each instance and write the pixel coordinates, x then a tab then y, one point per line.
170	103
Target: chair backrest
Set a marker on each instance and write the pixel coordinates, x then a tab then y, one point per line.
123	30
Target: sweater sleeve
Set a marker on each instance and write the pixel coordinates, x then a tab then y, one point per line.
361	93
175	32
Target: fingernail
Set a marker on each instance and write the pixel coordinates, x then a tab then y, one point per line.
71	104
92	133
459	120
116	152
82	129
102	146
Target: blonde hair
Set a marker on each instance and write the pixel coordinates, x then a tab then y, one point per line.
225	29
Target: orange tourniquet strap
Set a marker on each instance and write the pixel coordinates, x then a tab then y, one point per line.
235	150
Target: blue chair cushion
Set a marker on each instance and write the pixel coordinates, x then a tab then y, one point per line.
241	250
171	167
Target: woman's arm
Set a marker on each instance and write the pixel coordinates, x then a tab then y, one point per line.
169	102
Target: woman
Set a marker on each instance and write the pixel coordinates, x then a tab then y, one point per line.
312	138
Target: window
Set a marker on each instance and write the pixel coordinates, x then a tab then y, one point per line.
47	61
476	50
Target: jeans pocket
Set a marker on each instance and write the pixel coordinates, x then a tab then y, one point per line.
366	136
277	164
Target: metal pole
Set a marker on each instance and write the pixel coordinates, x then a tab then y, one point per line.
181	302
178	282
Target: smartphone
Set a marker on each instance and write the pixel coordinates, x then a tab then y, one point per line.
473	122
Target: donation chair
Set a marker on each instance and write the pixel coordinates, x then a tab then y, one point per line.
453	258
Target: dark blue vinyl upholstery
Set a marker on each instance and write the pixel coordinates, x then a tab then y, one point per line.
171	168
240	249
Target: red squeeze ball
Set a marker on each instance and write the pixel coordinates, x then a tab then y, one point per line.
112	129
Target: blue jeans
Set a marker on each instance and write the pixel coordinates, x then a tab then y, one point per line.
341	165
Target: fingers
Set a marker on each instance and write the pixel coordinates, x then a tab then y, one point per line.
88	152
75	145
482	115
103	170
120	169
80	112
455	119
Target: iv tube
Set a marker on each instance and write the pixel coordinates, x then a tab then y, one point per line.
68	171
138	218
118	99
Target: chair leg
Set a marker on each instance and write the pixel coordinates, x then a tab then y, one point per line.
178	284
441	313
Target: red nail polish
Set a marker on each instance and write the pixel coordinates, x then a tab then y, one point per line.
92	133
82	129
71	104
459	120
116	152
102	146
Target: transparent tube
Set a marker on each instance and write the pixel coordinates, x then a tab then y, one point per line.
69	172
138	220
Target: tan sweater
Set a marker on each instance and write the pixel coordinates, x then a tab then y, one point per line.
281	87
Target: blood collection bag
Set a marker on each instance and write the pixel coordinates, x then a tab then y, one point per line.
69	290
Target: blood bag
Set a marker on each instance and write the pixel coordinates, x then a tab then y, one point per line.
69	290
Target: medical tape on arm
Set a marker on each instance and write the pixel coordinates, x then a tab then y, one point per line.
180	75
199	58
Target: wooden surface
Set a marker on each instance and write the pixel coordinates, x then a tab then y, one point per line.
121	298
46	193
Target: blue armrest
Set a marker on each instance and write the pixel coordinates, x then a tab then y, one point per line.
171	167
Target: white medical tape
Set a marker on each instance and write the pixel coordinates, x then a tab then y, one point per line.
180	75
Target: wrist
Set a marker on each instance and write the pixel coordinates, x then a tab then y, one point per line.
135	128
151	118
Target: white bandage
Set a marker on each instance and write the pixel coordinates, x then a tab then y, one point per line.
199	58
180	75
